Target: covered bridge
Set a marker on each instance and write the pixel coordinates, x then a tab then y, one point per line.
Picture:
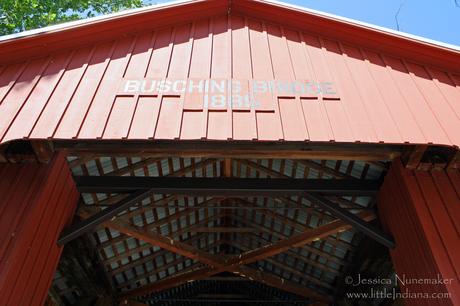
227	152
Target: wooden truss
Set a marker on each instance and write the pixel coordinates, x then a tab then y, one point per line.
118	210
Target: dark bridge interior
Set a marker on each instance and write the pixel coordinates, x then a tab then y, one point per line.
266	231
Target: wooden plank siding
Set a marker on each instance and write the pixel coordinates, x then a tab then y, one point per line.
37	201
422	212
383	96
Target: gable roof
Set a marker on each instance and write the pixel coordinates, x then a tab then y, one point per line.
385	88
169	4
46	38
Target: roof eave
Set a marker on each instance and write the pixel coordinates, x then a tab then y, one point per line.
47	39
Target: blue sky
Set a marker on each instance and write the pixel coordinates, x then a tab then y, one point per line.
434	19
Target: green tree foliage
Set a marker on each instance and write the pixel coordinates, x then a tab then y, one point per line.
21	15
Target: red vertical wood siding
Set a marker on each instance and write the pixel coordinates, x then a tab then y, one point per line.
422	211
383	98
36	202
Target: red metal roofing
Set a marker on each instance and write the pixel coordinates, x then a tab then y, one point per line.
381	97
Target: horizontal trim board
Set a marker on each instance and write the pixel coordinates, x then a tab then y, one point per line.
234	149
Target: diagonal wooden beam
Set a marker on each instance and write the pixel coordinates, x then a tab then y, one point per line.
234	264
260	240
276	262
143	260
352	219
314	165
215	263
242	259
132	167
299	227
152	205
82	159
161	241
282	284
175	262
195	273
142	164
192	273
184	212
263	169
89	210
307	247
295	241
192	167
198	224
93	221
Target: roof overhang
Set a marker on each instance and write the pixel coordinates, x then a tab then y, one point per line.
67	35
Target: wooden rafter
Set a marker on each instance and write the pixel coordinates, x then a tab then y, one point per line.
179	231
164	268
150	257
299	226
205	221
131	167
295	241
197	272
153	238
224	229
183	210
261	241
215	263
161	222
200	165
310	249
347	216
242	246
323	168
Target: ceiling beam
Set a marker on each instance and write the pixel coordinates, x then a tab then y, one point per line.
216	264
233	149
224	229
224	186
